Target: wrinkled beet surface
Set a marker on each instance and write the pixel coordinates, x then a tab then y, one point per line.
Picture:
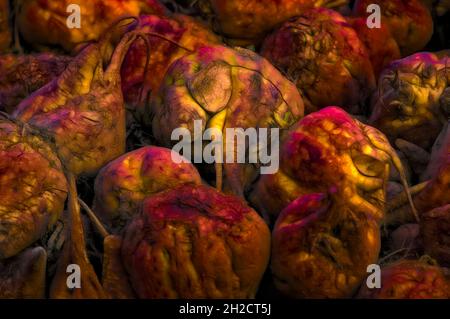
194	242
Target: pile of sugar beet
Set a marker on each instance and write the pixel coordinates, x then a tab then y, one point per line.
89	185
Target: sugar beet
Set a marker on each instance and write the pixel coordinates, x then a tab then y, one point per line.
22	75
224	88
44	23
249	21
169	39
324	56
23	276
124	183
322	246
412	100
194	242
410	279
33	188
409	21
83	108
329	149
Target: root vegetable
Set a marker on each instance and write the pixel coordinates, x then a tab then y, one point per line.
83	108
169	39
324	56
393	189
394	174
44	23
435	232
410	21
398	212
437	191
74	253
124	183
248	21
33	188
381	46
194	242
410	279
115	279
22	75
322	246
330	149
409	102
224	88
23	276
